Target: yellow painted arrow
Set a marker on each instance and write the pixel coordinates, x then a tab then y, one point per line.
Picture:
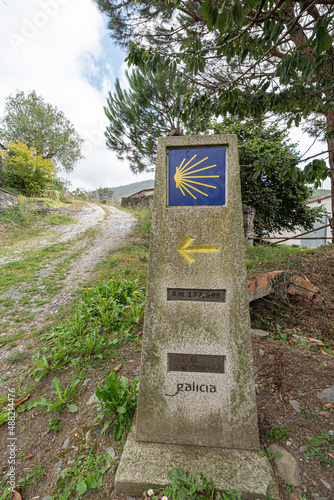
185	249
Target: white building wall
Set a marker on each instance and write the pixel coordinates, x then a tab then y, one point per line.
325	201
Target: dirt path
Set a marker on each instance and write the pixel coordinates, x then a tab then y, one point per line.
87	218
112	227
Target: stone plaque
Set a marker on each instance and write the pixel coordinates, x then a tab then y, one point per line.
195	363
196	295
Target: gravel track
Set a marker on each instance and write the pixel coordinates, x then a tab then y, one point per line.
112	225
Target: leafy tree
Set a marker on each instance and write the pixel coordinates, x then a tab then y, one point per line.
29	119
104	193
151	108
25	169
251	57
279	204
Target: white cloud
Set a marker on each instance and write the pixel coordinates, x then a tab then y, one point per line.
55	47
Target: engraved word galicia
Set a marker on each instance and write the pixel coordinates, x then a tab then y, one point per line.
194	388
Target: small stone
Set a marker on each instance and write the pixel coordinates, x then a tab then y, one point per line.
289	469
46	498
112	454
331	432
327	394
98	431
42	287
66	443
88	436
262	352
328	486
261	418
288	443
295	405
58	467
93	399
302	449
260	333
85	382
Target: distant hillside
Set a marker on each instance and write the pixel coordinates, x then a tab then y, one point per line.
317	193
121	191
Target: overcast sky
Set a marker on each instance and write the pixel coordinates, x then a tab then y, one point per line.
61	49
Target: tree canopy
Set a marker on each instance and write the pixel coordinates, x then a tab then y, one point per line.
151	108
29	119
249	57
26	170
279	203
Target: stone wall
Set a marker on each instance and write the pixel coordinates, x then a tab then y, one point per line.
7	200
137	201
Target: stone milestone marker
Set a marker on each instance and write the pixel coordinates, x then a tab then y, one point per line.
196	405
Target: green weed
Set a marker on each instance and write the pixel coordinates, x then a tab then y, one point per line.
80	475
321	447
54	425
120	397
306	414
185	487
33	477
101	321
279	433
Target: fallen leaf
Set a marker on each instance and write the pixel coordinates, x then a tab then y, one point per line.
1	345
325	353
330	455
329	406
20	401
17	495
140	333
118	367
30	455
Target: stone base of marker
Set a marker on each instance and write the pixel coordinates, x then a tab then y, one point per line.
146	465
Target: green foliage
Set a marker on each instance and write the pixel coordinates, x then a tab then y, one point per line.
24	168
321	447
104	193
150	109
120	397
33	477
102	320
306	414
29	119
279	433
266	156
81	475
269	455
248	58
185	487
63	398
54	425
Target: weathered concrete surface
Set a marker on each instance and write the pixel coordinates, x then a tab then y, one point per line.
146	465
212	409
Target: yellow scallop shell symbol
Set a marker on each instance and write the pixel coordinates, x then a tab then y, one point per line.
184	177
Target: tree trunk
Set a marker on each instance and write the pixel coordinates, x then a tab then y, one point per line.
330	145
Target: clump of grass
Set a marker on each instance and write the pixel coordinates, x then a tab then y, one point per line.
103	319
269	254
20	216
16	357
